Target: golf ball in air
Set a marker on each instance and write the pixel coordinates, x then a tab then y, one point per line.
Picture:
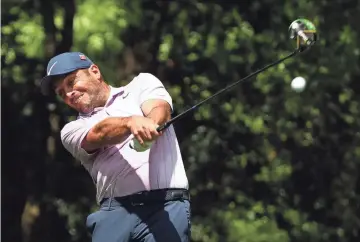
298	84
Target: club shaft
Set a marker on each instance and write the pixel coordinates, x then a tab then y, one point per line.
181	115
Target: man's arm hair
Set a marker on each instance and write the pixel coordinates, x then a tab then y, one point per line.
110	131
114	130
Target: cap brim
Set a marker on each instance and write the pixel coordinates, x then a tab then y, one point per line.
47	82
46	85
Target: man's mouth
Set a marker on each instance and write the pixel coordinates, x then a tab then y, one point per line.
76	100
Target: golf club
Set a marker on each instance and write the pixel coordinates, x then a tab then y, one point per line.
305	33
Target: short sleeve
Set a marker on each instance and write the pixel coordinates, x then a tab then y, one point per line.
152	88
72	135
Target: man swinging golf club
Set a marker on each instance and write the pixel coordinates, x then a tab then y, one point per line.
143	196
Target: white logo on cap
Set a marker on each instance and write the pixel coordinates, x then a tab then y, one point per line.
51	68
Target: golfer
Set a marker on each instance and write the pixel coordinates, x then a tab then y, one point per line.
143	196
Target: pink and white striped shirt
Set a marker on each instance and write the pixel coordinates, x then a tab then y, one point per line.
118	170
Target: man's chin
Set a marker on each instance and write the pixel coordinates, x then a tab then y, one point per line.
85	110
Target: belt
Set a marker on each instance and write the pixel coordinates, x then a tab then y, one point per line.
153	196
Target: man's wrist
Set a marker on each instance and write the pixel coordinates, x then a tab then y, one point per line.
127	122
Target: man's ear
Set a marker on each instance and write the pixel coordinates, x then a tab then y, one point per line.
95	71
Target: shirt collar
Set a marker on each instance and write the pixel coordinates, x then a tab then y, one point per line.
114	92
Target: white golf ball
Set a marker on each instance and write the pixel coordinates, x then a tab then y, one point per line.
298	84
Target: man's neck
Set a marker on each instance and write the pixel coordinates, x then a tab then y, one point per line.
107	91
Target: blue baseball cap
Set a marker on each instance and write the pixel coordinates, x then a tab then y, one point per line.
62	64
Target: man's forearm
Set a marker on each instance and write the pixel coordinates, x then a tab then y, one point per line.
114	130
110	131
160	114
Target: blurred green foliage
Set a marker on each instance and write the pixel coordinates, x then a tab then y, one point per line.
265	164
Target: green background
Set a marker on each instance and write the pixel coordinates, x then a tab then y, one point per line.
265	164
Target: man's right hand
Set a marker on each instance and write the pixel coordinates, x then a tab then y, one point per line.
144	129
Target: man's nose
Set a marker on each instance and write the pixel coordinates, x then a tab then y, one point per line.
70	94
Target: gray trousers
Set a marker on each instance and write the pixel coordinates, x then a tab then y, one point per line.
156	222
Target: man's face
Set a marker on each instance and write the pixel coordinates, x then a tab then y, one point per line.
80	89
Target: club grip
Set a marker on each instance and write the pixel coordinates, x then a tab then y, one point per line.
162	127
136	146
